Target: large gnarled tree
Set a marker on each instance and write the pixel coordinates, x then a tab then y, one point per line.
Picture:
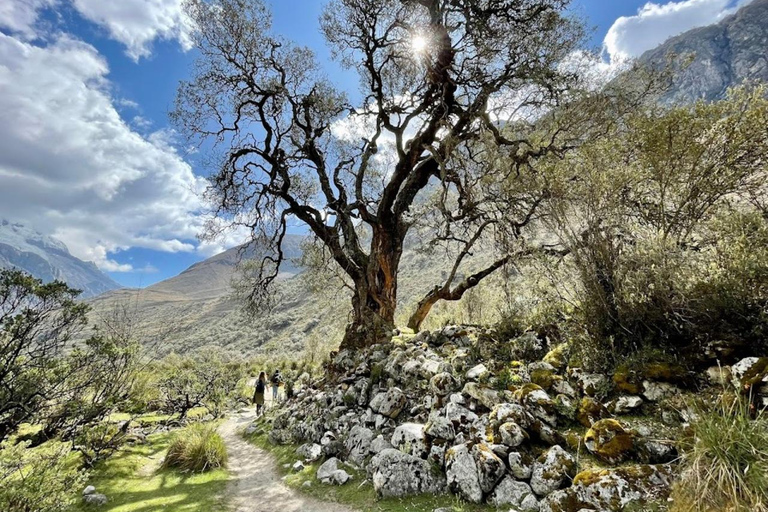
444	84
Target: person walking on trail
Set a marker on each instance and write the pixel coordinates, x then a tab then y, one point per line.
259	392
277	380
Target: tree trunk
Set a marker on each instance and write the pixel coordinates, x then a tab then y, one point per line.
375	298
424	307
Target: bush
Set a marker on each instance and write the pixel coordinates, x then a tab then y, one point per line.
197	448
725	465
40	480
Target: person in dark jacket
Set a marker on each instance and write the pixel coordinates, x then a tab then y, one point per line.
259	392
276	381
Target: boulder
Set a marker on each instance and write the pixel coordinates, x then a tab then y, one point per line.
542	374
486	397
338	477
625	404
327	468
552	470
477	372
440	427
589	411
609	441
655	391
398	474
89	490
95	499
520	465
490	468
379	444
443	384
310	452
462	474
518	495
612	490
749	372
538	403
358	444
297	466
511	434
389	403
409	438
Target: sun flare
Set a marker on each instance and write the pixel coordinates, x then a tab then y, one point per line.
419	44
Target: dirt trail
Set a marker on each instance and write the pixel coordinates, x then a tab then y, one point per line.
256	485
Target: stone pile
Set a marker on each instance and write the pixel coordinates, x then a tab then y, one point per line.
431	413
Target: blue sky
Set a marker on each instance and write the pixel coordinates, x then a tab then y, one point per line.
86	150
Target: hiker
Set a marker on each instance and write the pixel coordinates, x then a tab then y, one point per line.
258	394
276	380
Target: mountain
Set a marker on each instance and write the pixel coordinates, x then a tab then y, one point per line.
724	54
49	259
197	309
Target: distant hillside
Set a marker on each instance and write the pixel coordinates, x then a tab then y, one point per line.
49	259
196	309
725	54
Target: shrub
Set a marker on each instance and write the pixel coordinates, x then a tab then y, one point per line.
725	465
197	448
40	480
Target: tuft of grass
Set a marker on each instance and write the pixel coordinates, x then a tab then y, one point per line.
358	492
725	463
197	448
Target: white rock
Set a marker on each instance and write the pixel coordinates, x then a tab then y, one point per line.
89	490
409	438
477	372
511	434
552	470
358	444
327	468
397	474
625	404
655	391
462	474
510	492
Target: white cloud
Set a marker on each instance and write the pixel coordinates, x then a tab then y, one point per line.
137	23
20	16
654	23
70	166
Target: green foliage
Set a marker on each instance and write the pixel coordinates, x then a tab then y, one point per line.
200	380
98	441
40	480
664	248
725	463
197	448
36	321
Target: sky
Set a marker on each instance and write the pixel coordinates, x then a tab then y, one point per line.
87	152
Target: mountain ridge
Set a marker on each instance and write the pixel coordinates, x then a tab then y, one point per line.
49	259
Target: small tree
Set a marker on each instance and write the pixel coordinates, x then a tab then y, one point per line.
436	77
36	322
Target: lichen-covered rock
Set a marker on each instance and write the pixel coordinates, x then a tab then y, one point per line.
609	441
612	490
459	415
338	477
389	403
379	444
749	372
538	403
511	434
655	391
358	444
510	492
398	474
95	499
520	465
625	404
486	397
440	427
409	438
477	372
461	471
443	384
490	468
557	357
514	413
589	411
542	374
594	384
552	470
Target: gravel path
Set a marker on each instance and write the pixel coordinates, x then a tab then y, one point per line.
255	485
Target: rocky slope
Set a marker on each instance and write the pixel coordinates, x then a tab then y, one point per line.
502	423
48	259
725	54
